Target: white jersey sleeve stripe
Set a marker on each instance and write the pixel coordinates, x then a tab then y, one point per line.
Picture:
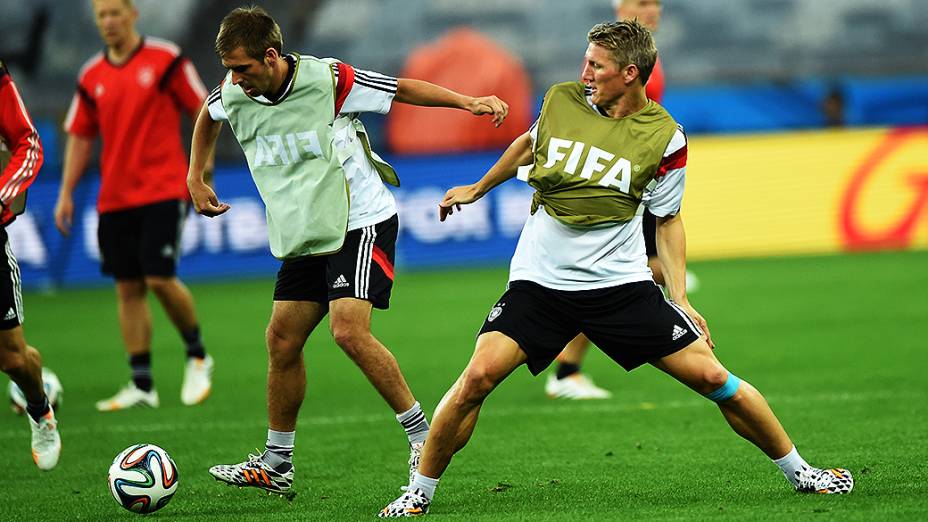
677	142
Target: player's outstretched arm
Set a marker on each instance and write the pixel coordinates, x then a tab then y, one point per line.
419	92
517	154
202	150
77	152
671	250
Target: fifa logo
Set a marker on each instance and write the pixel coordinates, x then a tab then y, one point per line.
275	150
598	160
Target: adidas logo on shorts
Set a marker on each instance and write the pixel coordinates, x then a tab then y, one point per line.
341	282
10	314
678	332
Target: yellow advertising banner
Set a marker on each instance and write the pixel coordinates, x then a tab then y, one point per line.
807	193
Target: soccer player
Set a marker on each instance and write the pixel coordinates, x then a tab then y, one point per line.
599	150
568	381
329	216
19	143
132	94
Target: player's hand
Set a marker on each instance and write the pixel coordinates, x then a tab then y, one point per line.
456	197
205	201
489	105
699	320
64	213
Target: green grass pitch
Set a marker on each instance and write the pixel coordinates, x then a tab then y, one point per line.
838	344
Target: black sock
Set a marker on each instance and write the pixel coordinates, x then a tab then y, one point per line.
141	371
567	369
194	345
38	410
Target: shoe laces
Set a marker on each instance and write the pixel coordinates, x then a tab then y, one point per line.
809	477
254	460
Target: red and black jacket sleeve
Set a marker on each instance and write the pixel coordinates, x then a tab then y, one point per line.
20	137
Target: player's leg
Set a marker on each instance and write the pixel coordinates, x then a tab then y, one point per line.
360	278
495	357
162	224
749	415
350	321
24	366
568	382
744	407
529	325
290	325
299	305
289	328
23	363
118	235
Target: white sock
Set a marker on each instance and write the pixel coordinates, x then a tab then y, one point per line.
790	464
279	448
414	422
426	484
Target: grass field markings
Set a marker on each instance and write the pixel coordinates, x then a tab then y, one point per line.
560	408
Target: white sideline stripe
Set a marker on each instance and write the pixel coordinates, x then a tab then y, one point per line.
566	408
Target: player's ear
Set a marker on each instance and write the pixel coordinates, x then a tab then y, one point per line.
630	72
271	55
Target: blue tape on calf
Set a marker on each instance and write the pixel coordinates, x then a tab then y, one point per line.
727	391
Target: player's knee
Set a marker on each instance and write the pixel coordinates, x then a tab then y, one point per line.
159	285
347	336
282	348
724	386
476	384
11	362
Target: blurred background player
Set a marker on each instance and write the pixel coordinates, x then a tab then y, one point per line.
20	161
337	258
132	95
568	382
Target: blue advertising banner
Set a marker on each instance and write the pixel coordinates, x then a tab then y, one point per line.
235	244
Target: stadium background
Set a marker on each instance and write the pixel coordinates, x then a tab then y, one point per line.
782	209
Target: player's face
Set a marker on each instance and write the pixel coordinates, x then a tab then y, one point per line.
648	12
115	21
253	76
603	75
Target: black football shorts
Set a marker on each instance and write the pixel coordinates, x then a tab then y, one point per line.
362	269
631	323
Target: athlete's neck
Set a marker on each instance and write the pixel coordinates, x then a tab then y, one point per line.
121	51
280	78
629	103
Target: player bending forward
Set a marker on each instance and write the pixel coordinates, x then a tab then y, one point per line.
294	117
598	151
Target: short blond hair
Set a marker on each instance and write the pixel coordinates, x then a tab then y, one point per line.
629	42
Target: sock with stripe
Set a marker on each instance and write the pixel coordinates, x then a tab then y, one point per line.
414	422
39	409
194	344
141	371
790	464
426	484
278	451
566	370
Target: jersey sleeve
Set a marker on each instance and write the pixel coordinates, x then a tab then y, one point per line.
19	135
666	197
82	119
183	82
214	103
357	90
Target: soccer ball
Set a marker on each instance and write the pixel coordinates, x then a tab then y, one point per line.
52	389
143	478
